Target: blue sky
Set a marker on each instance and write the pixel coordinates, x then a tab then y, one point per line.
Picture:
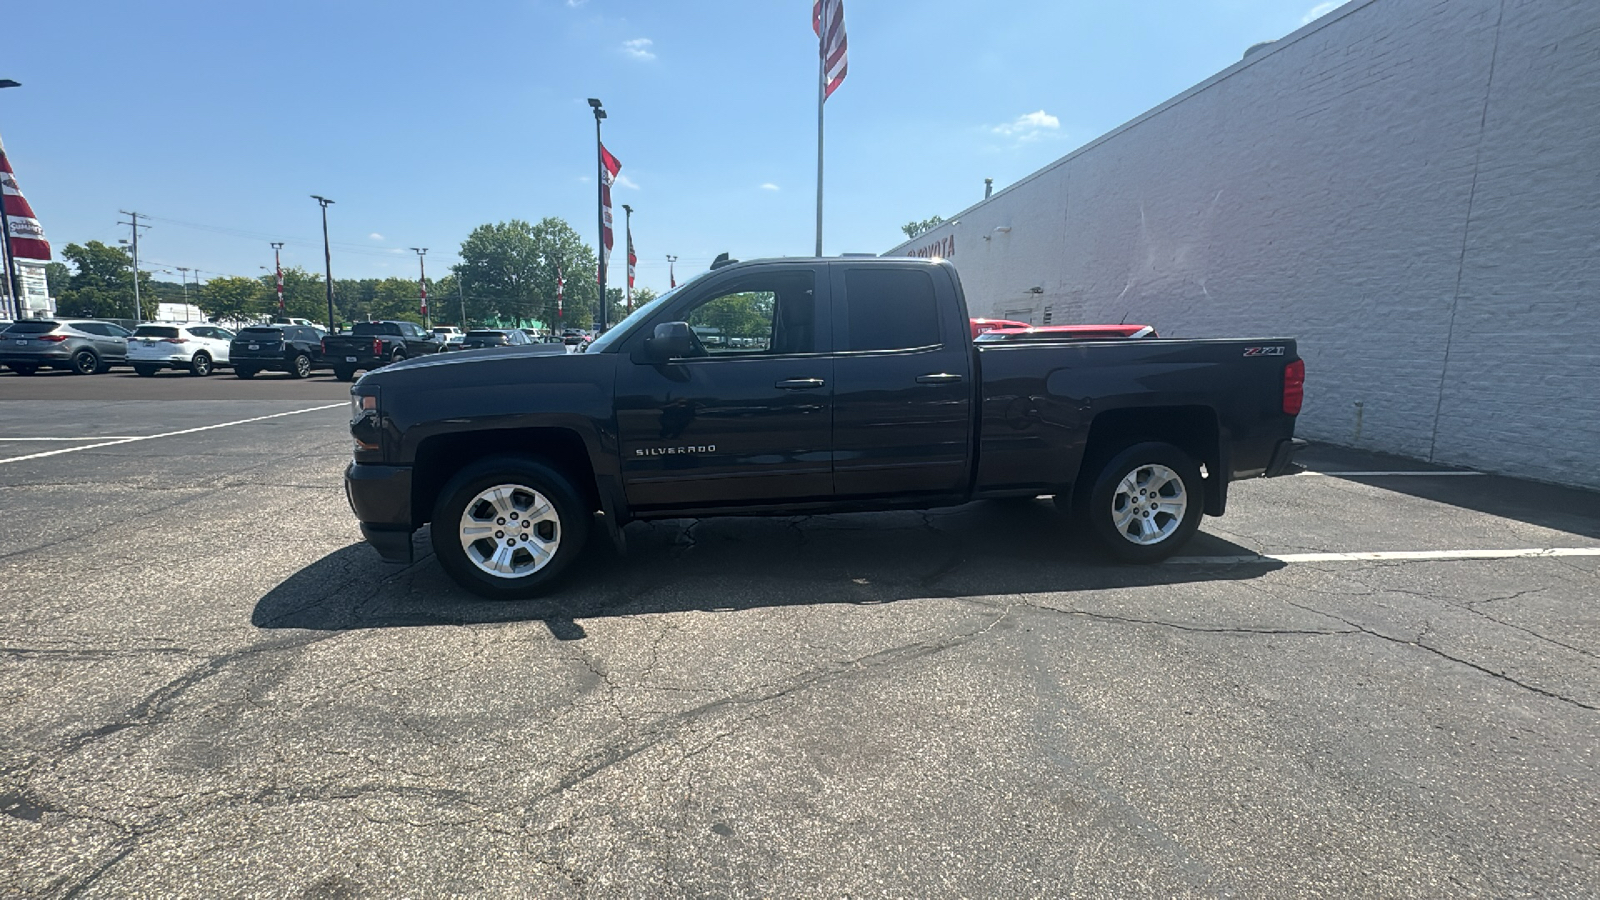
423	120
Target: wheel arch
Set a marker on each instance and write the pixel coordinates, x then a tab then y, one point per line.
440	457
1192	429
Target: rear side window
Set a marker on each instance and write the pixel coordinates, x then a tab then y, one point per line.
44	327
891	309
156	331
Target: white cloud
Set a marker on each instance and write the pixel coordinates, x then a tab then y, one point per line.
583	179
1320	10
639	48
375	236
1029	127
625	181
769	186
576	3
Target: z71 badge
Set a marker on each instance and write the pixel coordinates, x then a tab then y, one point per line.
1263	351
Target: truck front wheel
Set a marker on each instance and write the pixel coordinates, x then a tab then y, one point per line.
1145	503
505	528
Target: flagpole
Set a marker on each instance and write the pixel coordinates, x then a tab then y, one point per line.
822	97
600	212
13	308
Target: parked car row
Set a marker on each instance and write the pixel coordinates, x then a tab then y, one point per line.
85	347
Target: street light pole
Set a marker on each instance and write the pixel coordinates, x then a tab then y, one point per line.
422	283
277	264
327	257
600	164
627	255
183	272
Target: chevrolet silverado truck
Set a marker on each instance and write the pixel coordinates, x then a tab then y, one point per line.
842	384
369	345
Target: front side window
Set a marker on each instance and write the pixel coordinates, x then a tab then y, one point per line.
891	309
768	313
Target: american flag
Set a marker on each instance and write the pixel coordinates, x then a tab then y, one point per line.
632	260
827	20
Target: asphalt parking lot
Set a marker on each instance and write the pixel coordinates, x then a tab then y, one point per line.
1352	685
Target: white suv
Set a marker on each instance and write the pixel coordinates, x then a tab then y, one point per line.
198	348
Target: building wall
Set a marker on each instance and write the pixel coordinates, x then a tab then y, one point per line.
1410	189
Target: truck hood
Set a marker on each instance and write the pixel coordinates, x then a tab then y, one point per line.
495	366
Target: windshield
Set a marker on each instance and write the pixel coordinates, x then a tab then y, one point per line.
627	325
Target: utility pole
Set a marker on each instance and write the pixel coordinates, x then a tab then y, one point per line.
422	283
138	309
461	294
327	258
277	264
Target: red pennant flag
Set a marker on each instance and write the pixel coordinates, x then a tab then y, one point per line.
827	20
27	236
671	277
609	167
561	288
632	260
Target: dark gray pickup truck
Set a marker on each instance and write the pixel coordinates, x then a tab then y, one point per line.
369	345
834	385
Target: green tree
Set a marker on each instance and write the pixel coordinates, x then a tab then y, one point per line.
303	294
913	229
57	277
235	299
508	272
102	283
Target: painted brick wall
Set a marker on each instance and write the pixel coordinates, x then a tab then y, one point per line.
1412	190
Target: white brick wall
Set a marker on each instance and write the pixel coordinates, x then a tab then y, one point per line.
1410	189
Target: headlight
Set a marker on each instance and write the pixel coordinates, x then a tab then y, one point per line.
364	419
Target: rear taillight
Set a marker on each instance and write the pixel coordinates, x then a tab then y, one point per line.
324	345
175	340
53	338
377	347
1294	387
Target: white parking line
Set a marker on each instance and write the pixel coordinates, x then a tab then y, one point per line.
1379	474
98	437
151	437
1401	555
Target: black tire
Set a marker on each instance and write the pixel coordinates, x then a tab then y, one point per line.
344	374
531	481
200	364
399	356
300	366
146	371
84	362
23	368
244	372
1143	528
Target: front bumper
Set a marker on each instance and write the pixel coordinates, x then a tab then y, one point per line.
380	496
1283	458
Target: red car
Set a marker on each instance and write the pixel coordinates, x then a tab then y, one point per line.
979	326
1065	333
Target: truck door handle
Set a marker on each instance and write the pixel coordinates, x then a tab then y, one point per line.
939	378
800	384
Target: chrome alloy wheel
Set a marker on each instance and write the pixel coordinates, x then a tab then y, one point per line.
1149	505
510	530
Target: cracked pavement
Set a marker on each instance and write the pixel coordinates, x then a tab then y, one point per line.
209	686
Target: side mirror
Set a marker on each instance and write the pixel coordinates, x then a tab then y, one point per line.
671	340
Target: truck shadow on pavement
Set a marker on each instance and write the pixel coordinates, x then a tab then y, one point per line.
981	549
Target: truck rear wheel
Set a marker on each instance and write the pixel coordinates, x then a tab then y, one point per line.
344	374
505	528
1144	504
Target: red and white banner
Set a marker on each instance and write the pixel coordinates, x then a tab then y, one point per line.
609	167
827	20
27	235
422	284
561	290
632	259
